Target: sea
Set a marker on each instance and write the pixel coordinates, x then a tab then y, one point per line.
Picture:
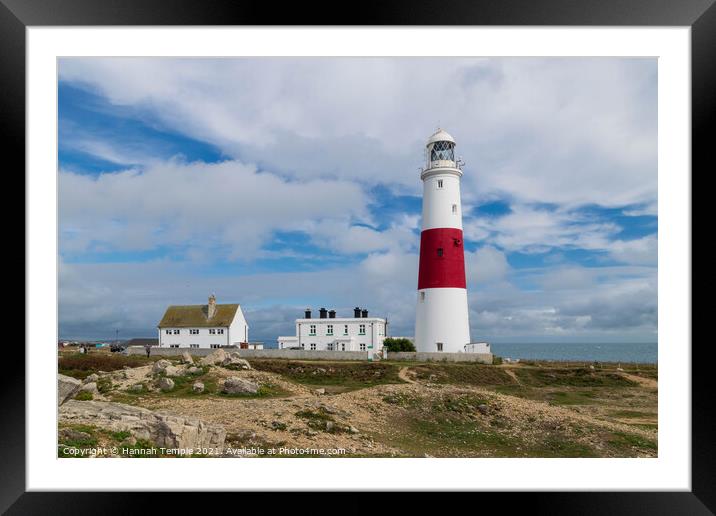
645	353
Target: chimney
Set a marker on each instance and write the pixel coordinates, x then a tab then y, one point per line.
365	313
308	313
356	312
331	314
211	312
323	313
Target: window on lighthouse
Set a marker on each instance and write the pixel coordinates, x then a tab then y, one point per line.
440	251
442	151
440	183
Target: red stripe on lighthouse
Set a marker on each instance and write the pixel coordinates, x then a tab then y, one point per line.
442	259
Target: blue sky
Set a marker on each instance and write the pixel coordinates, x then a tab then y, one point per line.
284	183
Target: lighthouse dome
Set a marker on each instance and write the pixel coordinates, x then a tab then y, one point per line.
440	136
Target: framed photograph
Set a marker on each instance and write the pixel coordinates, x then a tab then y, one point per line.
431	250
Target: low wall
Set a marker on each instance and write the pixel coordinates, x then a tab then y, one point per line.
412	356
302	354
296	354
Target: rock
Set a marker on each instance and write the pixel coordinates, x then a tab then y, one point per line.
233	359
353	430
330	426
328	409
66	388
160	365
129	441
166	384
90	387
320	392
484	409
216	357
186	358
68	434
236	385
193	370
160	428
92	378
311	432
137	387
197	388
278	425
174	371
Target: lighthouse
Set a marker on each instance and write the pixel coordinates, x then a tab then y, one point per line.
441	322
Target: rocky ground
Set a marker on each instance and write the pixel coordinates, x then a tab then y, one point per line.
361	409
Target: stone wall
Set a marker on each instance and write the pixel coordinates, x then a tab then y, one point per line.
485	358
296	354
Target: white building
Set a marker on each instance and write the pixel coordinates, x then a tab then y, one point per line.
477	347
331	333
203	326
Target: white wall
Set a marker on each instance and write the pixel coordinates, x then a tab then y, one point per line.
442	317
239	329
437	202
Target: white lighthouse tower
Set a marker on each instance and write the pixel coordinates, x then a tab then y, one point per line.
441	322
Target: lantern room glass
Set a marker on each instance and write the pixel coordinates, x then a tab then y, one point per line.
442	151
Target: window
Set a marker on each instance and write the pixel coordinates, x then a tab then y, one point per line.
343	346
362	346
194	346
440	251
361	329
212	331
193	332
442	151
215	346
312	329
303	346
220	331
176	332
329	329
454	208
329	347
173	345
345	329
440	183
313	346
440	346
422	297
168	332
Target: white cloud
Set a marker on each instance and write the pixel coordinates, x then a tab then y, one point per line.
568	131
195	205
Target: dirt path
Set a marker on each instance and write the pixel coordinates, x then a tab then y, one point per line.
649	383
403	375
512	375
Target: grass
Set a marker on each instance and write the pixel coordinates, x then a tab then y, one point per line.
346	375
318	419
84	396
81	365
627	442
468	373
572	377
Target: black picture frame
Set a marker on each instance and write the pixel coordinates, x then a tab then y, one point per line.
700	15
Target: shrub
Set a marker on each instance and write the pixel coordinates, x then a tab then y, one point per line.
84	396
395	345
